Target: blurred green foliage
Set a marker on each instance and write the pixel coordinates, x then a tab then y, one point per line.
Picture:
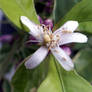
83	63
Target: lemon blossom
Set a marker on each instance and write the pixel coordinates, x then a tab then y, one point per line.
51	42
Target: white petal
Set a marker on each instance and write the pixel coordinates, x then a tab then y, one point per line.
69	26
72	37
36	58
63	58
35	30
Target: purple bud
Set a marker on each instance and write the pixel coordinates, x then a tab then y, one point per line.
48	4
67	50
48	22
6	38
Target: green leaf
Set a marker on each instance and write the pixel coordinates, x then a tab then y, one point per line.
26	80
59	80
81	12
83	63
16	8
61	7
86	27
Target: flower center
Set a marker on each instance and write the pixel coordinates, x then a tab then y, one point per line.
51	40
46	38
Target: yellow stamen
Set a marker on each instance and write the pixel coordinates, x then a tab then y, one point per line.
47	38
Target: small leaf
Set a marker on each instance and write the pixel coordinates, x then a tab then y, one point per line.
16	8
26	80
59	80
83	63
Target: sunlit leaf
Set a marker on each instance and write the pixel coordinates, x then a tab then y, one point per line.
16	8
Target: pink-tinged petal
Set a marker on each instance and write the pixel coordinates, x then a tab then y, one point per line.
72	37
64	60
35	30
36	58
69	26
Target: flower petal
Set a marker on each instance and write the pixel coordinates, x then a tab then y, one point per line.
36	58
72	37
69	26
63	58
35	30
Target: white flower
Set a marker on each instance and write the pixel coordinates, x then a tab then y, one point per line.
52	41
